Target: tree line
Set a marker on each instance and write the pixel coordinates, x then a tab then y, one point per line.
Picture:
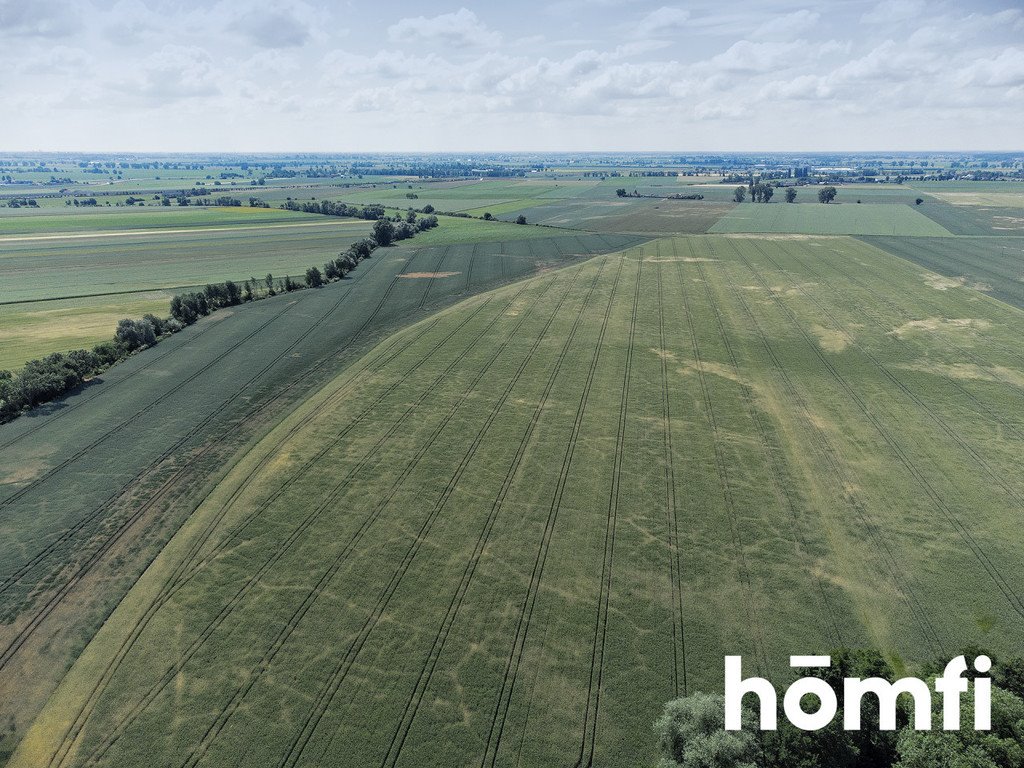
763	193
45	379
691	729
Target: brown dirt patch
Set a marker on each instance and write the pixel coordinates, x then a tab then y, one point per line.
428	275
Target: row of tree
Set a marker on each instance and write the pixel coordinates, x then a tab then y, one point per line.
691	730
46	379
330	208
763	193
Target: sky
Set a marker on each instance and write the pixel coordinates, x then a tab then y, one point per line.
568	75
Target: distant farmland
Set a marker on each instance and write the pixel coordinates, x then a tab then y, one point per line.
515	529
847	218
65	291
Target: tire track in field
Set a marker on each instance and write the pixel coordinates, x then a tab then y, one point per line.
91	516
939	421
412	705
966	352
184	575
511	672
64	411
829	628
189	567
294	429
725	486
80	573
1015	601
430	281
192	338
21	492
165	487
595	683
672	526
386	356
329	691
828	450
469	268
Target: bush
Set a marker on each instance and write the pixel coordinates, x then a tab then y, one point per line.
135	334
520	219
691	732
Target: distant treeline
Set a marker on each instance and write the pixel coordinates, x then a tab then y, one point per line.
46	379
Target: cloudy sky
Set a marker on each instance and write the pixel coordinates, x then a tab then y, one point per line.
276	75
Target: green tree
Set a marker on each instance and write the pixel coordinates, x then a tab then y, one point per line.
791	195
739	193
826	194
1001	747
314	277
520	219
691	733
383	232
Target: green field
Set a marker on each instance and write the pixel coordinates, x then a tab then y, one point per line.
994	265
23	221
977	220
636	215
92	487
513	530
833	219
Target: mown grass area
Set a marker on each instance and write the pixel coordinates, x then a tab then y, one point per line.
22	221
515	529
33	330
994	265
833	219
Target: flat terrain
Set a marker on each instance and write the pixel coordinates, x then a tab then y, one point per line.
62	291
833	219
92	487
513	530
994	265
57	220
651	215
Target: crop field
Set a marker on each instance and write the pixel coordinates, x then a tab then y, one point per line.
58	220
636	215
75	265
994	265
92	487
977	220
818	219
511	531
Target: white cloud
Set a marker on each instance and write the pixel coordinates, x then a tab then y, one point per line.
459	28
664	22
893	11
788	26
801	88
1004	70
